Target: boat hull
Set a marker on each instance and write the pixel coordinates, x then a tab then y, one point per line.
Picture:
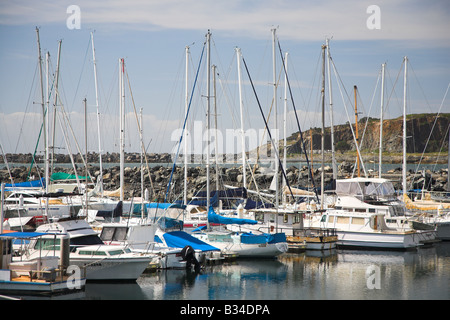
113	269
394	241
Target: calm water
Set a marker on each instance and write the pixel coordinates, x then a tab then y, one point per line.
345	274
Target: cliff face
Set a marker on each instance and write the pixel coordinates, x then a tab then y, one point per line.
418	128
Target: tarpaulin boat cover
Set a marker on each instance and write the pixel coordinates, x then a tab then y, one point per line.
27	184
66	176
251	238
180	239
215	218
229	193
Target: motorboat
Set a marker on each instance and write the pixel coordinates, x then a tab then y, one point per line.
377	196
362	230
39	275
102	262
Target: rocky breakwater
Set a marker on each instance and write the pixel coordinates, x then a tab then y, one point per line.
157	177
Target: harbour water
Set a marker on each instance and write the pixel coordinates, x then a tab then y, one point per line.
422	274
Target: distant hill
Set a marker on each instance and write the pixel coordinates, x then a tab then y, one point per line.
418	128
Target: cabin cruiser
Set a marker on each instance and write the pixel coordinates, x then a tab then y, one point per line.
102	262
377	196
362	230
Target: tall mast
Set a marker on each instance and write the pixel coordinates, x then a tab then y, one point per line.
356	132
141	133
100	178
42	85
322	174
46	126
208	115
56	100
185	129
216	147
277	200
380	156
238	55
284	125
333	153
86	147
122	124
404	127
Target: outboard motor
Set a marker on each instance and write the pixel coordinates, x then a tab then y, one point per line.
188	255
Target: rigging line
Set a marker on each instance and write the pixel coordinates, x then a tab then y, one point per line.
368	113
26	109
339	82
82	70
298	124
139	125
268	131
184	124
432	128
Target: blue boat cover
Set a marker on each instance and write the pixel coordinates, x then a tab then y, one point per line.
180	239
165	205
27	184
215	218
251	238
22	235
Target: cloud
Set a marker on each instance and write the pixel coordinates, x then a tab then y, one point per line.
309	20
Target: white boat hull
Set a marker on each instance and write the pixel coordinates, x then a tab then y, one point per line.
23	287
401	241
113	269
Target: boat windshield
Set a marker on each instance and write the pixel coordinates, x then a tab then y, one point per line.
371	188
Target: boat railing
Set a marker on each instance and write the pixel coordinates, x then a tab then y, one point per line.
47	274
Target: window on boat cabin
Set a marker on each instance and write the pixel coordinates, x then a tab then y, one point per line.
285	218
360	210
259	216
343	220
115	252
92	253
358	221
114	233
324	218
84	241
372	210
47	244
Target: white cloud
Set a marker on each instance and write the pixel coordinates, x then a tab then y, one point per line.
345	19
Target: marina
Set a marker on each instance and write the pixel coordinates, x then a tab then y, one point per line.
343	275
233	208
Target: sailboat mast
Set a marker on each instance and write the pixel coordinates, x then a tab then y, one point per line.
404	127
241	107
185	129
216	143
46	126
122	124
100	178
141	133
284	124
277	166
322	174
56	101
333	151
208	115
380	155
356	131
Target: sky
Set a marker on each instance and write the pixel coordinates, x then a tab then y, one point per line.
152	36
